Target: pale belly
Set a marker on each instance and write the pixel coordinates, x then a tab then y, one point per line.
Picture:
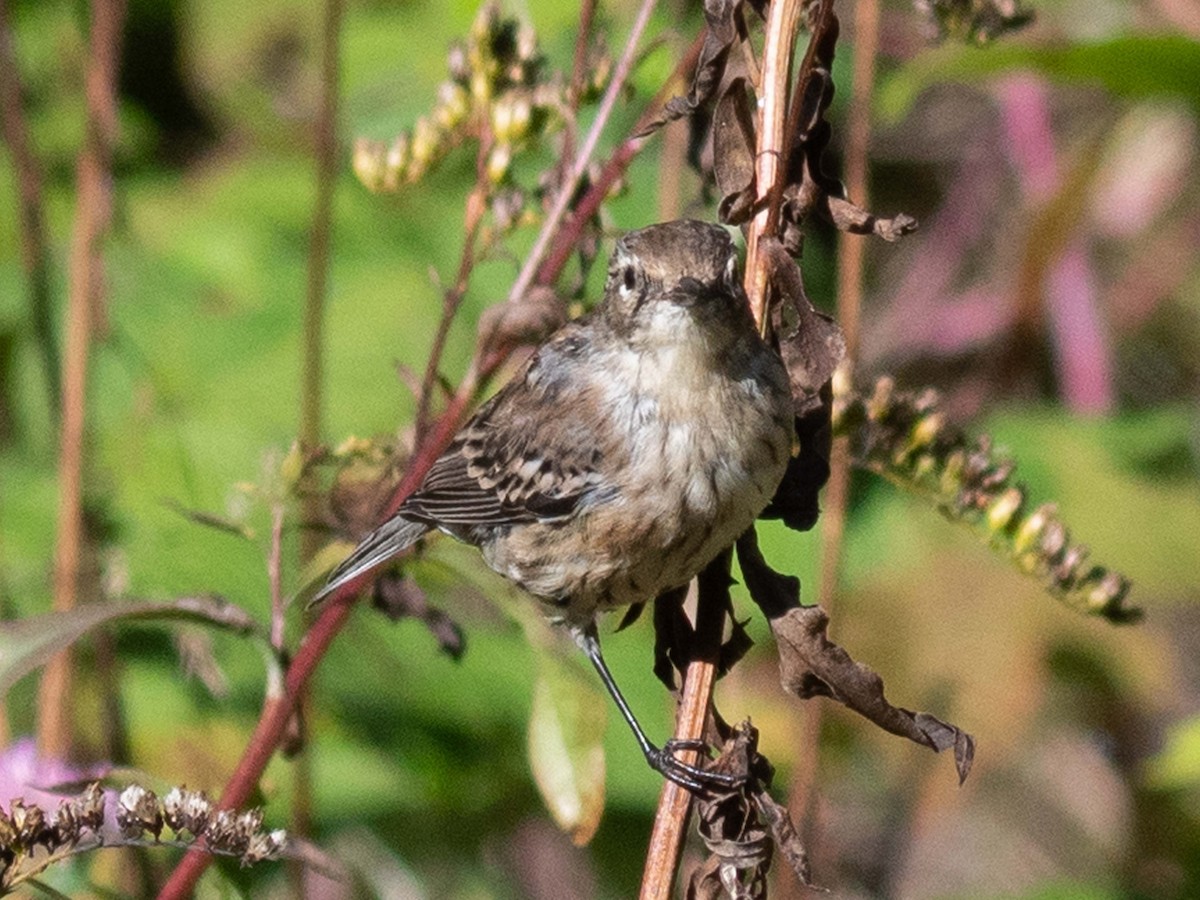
687	495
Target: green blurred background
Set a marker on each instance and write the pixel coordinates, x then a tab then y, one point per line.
1087	778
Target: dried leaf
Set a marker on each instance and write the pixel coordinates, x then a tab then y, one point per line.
398	596
733	153
566	750
672	632
719	36
211	520
787	841
812	665
797	498
28	643
813	345
850	218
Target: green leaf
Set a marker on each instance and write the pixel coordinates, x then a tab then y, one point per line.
566	731
1178	766
1136	66
28	643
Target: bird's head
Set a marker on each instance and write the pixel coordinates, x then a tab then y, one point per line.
668	277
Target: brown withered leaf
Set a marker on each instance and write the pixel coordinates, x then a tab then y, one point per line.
811	665
672	631
813	344
743	829
733	153
676	643
848	217
787	841
797	498
719	36
398	596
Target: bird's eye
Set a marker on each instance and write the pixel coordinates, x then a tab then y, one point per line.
628	278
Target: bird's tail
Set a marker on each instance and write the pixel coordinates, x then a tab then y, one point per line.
392	537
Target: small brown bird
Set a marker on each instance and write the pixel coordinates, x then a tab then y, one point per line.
638	443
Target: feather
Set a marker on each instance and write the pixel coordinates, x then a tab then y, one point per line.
394	536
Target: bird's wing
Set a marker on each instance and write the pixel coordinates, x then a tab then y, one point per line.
534	452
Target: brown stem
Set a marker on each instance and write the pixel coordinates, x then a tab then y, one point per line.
587	12
674	803
93	212
31	221
326	154
783	21
452	298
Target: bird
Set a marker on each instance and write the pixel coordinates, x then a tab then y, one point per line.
630	450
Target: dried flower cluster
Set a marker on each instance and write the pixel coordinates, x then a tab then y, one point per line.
973	21
497	87
902	436
27	827
140	816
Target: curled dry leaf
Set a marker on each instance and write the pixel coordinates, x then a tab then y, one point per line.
855	220
811	665
398	596
810	342
675	643
733	153
720	34
742	829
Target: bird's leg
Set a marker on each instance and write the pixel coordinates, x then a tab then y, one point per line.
662	760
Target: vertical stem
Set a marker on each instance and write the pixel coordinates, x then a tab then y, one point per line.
93	209
674	802
325	147
326	153
35	256
783	21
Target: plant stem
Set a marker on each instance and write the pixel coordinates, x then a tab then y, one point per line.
31	220
93	213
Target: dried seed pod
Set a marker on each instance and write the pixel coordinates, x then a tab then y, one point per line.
138	812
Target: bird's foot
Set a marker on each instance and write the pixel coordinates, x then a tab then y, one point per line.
698	780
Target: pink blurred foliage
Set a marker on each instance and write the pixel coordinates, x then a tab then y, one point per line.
972	286
28	775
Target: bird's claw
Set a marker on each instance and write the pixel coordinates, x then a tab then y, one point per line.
692	777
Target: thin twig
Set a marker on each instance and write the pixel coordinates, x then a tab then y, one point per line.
31	220
317	289
583	158
587	12
93	212
452	297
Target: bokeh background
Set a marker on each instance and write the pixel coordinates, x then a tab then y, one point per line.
1052	294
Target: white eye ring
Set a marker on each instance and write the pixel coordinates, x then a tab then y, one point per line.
731	272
